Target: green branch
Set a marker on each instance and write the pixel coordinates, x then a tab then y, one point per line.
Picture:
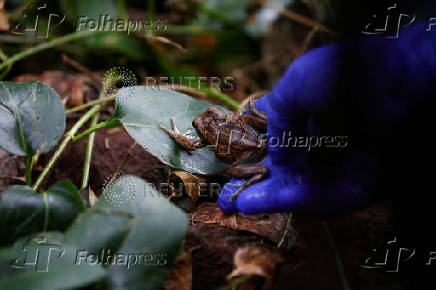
101	101
90	147
112	122
68	137
46	45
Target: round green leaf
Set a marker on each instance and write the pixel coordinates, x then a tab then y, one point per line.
23	211
157	228
141	109
32	117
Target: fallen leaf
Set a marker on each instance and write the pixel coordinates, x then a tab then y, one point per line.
11	169
180	277
192	184
72	88
92	197
4	18
77	93
255	261
271	226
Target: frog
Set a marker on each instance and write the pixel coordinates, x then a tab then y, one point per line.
233	139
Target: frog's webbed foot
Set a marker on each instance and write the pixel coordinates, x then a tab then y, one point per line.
182	139
256	171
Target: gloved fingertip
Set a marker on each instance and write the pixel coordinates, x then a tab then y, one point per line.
262	103
227	191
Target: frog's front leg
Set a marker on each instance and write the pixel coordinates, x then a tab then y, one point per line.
256	119
256	171
182	139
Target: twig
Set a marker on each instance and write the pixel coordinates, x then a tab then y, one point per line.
81	68
308	39
296	17
204	94
285	232
333	246
120	167
253	96
163	40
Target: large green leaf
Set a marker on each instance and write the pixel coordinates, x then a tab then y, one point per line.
32	118
141	109
23	211
158	228
44	262
130	218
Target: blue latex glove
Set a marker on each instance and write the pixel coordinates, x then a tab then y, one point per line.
362	89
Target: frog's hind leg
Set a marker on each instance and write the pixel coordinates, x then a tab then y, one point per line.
182	139
256	171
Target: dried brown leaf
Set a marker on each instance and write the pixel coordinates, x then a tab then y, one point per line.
255	260
180	277
77	94
75	88
4	20
271	226
191	184
92	197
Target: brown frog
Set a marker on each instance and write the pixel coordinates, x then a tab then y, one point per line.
231	138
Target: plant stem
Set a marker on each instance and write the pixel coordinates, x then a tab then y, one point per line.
101	101
90	147
29	165
88	153
106	124
68	137
222	98
46	45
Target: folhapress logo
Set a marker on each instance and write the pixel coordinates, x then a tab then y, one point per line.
37	254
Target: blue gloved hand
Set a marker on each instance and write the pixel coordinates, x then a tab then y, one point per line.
343	105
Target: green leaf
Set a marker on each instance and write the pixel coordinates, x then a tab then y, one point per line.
23	211
130	219
142	109
56	265
32	118
158	228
